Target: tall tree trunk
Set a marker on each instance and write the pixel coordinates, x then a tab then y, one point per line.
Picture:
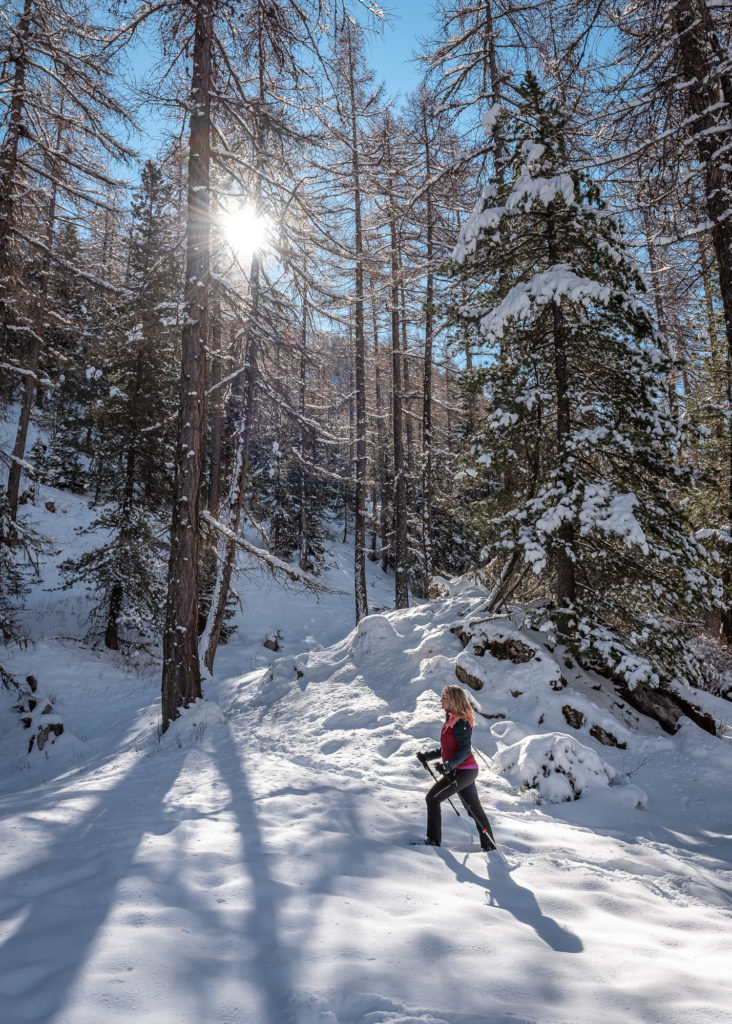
304	560
492	85
406	380
565	562
565	582
126	538
361	488
216	411
427	452
655	271
381	474
226	547
10	145
401	587
710	97
181	682
36	344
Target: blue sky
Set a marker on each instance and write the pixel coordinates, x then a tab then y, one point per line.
391	54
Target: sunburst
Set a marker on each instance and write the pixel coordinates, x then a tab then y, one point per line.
247	231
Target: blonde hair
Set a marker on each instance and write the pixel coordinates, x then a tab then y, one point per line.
458	703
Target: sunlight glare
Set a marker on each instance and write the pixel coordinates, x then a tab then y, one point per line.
246	231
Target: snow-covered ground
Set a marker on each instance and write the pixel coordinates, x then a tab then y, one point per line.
254	866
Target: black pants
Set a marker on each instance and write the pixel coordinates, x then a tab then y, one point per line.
464	786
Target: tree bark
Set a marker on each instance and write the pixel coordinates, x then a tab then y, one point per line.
304	560
381	474
710	98
401	587
655	273
226	546
181	683
427	452
36	344
11	142
361	487
565	581
216	412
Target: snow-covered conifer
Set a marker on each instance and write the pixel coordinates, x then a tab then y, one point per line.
131	422
577	451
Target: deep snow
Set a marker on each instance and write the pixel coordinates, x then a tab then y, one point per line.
254	864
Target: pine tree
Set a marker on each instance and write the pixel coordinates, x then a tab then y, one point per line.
577	451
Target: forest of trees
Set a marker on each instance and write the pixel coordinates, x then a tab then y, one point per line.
483	327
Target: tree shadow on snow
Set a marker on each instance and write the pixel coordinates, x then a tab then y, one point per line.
64	896
271	961
505	893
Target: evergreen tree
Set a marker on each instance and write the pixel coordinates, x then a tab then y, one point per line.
132	419
577	451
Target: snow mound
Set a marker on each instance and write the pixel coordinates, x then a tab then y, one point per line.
558	766
372	633
438	672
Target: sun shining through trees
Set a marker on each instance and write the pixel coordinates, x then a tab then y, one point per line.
247	231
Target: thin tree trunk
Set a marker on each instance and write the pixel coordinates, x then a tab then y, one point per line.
381	474
125	539
226	547
36	344
655	270
565	564
181	682
427	452
565	582
216	412
491	74
406	383
359	530
304	560
401	588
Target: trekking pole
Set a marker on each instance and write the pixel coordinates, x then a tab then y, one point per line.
484	758
425	764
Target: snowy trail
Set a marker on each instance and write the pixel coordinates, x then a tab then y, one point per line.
254	866
203	884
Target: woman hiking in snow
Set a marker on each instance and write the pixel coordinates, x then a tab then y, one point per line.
458	768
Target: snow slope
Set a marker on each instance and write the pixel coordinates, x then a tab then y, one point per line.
253	865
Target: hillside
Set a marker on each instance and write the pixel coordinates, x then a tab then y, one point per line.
254	864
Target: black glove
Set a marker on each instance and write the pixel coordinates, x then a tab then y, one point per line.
440	768
449	773
422	758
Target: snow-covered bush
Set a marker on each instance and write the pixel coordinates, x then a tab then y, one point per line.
557	766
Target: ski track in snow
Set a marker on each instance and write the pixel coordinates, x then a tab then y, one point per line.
254	865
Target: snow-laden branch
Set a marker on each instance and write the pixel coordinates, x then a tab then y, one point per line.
549	286
271	562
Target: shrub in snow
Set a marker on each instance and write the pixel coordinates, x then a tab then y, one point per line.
584	454
37	714
557	766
